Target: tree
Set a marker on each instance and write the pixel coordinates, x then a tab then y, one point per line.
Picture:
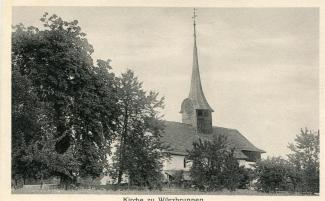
139	149
73	101
305	161
94	119
33	151
272	174
56	59
214	166
25	127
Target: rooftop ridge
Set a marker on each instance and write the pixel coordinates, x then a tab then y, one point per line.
192	126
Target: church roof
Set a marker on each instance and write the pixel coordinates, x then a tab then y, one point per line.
180	137
196	92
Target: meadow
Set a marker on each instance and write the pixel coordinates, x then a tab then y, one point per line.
164	191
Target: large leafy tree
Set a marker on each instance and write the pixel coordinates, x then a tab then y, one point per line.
304	158
214	166
33	150
60	97
139	149
56	60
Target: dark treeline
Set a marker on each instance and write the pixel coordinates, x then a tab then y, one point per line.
214	167
298	173
67	111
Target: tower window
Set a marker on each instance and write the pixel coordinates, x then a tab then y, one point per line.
205	113
199	112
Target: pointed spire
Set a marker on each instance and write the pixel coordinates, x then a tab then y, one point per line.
196	92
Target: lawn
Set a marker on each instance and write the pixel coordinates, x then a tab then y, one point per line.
165	191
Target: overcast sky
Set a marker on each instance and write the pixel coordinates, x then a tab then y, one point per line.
259	66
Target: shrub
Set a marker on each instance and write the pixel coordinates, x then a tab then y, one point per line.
214	166
271	174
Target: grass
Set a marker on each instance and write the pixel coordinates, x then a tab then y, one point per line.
165	191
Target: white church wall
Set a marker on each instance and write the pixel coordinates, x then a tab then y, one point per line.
175	162
246	164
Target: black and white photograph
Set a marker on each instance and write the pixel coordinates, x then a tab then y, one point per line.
182	101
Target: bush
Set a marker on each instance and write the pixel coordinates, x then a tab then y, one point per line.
272	174
214	166
246	177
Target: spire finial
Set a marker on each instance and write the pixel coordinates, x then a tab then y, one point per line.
194	22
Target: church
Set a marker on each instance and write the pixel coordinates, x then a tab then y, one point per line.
197	124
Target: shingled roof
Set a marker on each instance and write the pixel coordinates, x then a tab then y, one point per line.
196	92
180	137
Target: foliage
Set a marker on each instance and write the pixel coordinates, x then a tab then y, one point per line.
139	148
178	178
214	166
68	111
299	173
64	106
33	150
305	161
271	174
24	123
246	176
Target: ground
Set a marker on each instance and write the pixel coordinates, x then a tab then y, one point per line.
167	191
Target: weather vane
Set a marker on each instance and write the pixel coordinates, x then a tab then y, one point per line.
194	15
194	23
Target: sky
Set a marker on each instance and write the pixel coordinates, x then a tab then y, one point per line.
259	66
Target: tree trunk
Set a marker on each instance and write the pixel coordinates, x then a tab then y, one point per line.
120	171
16	183
41	181
63	144
63	182
121	157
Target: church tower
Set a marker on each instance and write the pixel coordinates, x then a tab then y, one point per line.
195	109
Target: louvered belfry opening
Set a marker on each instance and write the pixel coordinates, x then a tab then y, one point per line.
204	121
